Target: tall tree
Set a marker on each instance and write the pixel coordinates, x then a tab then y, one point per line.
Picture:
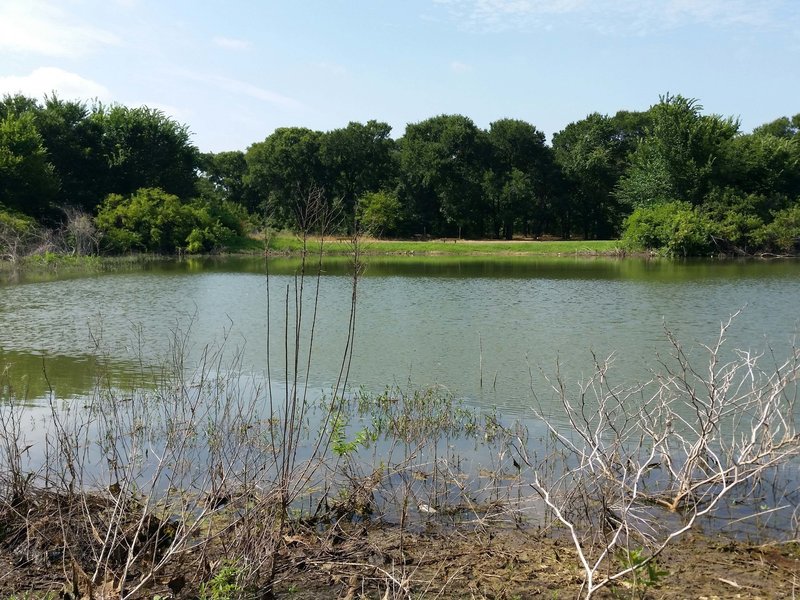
760	163
783	127
591	154
225	173
358	159
675	159
285	170
17	104
443	159
146	149
519	180
27	179
73	141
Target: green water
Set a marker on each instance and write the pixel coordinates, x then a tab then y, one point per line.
488	330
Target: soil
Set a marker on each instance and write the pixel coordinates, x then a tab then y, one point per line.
384	562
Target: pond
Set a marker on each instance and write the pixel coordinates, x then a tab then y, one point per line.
487	334
487	330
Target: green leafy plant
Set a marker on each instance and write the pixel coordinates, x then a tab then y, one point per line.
671	228
152	220
646	573
339	443
223	586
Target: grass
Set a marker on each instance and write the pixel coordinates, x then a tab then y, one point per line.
288	243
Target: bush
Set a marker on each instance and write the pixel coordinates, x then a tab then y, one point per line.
378	212
17	233
151	220
671	228
783	233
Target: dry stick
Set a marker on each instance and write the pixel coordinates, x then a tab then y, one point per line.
712	468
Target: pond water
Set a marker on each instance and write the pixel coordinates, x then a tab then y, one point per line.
487	330
491	332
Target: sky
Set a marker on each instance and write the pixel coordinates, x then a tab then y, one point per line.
234	71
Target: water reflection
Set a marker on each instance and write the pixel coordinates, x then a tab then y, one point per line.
485	329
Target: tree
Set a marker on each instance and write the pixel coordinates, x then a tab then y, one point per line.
783	127
358	159
519	180
73	141
17	105
28	182
760	163
225	172
592	155
442	160
674	160
283	170
143	148
378	213
630	127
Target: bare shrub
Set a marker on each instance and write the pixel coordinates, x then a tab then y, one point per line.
81	235
131	487
636	467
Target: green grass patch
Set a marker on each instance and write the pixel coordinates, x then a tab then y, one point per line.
290	243
245	244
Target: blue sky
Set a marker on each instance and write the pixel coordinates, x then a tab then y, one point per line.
234	71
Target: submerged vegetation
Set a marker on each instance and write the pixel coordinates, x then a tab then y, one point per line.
212	485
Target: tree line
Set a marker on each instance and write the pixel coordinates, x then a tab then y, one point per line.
670	178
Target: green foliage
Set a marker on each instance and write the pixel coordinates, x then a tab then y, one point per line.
518	176
591	155
357	160
671	228
675	159
783	233
442	160
152	220
339	443
445	177
143	148
224	173
73	140
378	212
62	155
783	127
27	180
16	222
223	586
646	573
282	171
760	164
17	233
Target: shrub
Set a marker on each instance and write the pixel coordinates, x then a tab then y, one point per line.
17	233
671	228
378	212
153	221
783	233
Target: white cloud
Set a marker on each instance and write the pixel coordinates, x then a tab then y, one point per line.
45	80
40	27
231	43
169	110
332	68
620	16
244	88
459	67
